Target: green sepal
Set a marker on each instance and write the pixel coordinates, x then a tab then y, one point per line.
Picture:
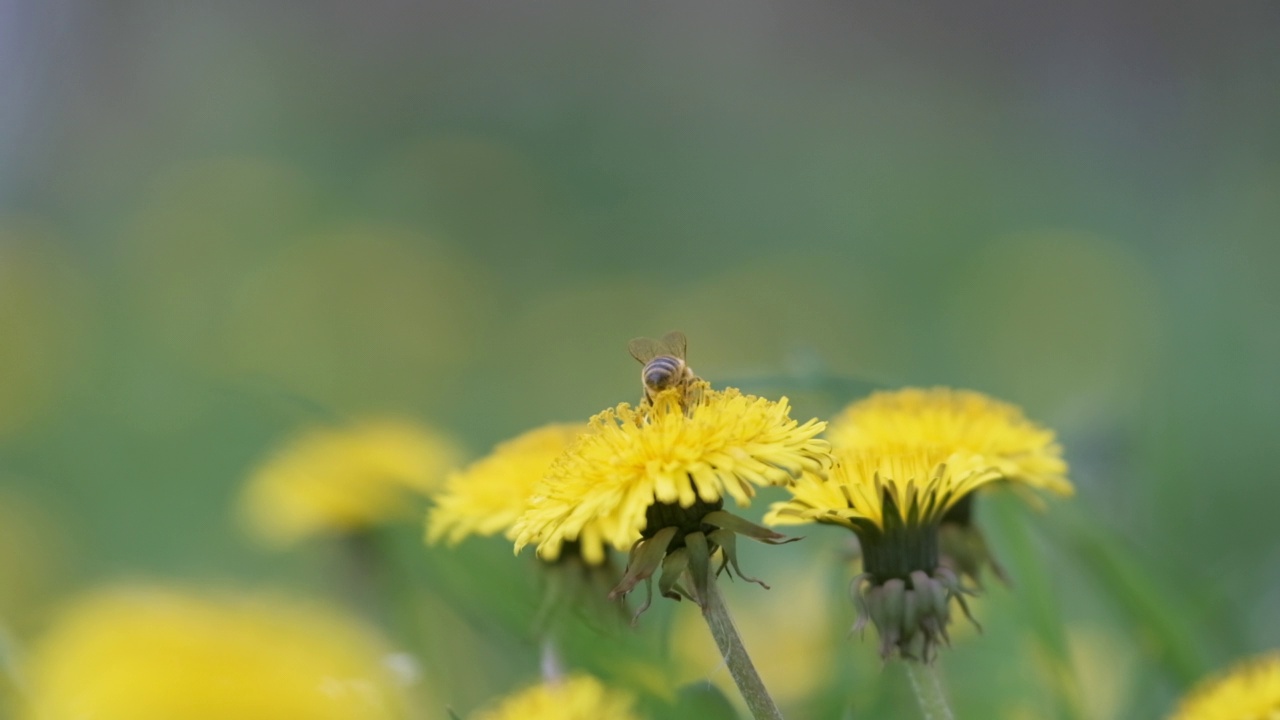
728	542
728	521
699	564
646	556
673	566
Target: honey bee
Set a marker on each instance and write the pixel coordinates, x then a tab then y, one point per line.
665	368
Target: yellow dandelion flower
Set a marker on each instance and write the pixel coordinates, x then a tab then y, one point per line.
958	421
869	491
488	496
157	654
1248	691
633	466
344	479
578	697
963	421
894	498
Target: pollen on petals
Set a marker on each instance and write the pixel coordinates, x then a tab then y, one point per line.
631	458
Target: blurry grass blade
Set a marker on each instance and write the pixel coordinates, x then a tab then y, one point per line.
1152	609
1037	597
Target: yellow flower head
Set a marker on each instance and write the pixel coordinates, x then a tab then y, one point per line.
154	654
602	489
894	498
344	479
871	490
578	697
957	421
1248	691
488	496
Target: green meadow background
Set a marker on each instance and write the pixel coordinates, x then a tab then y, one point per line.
223	223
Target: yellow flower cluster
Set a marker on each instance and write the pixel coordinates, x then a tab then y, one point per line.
1248	691
578	697
599	492
155	654
956	421
489	496
344	479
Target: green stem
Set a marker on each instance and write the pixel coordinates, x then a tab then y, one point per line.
734	652
929	693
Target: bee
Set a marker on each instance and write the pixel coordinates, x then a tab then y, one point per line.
665	368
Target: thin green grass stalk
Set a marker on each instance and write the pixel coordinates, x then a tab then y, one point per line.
1155	611
1034	586
928	690
743	671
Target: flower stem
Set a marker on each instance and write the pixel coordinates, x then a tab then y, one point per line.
929	693
735	655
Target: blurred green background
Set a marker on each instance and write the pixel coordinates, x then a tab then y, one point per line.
222	223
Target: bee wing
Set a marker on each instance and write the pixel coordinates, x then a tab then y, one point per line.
677	344
645	349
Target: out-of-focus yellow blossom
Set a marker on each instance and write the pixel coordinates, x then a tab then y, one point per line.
345	479
488	496
602	490
956	421
156	654
578	697
1248	691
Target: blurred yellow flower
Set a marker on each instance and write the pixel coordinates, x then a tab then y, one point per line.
957	421
344	479
578	697
156	654
616	478
1248	691
489	495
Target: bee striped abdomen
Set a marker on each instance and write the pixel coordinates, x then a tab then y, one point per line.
663	372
